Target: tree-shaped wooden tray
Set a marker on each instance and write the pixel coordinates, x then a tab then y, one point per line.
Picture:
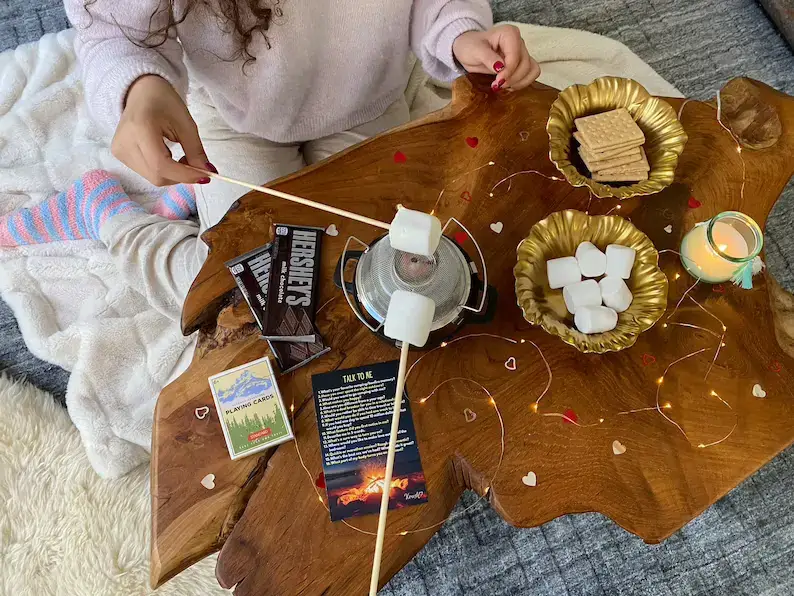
277	538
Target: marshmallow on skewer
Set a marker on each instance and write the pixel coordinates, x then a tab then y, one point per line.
583	293
592	262
620	260
562	272
595	319
615	293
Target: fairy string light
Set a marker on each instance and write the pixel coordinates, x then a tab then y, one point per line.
454	180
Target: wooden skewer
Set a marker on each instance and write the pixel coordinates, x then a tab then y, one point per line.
295	199
384	501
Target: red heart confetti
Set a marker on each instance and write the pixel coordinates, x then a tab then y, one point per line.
775	366
570	416
648	359
472	141
719	289
460	237
694	203
320	482
466	196
399	157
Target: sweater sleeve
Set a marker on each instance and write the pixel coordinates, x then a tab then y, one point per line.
435	24
109	58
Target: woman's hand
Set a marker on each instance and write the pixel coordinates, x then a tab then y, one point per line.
499	51
154	111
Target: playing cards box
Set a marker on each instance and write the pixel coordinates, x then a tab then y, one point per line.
250	408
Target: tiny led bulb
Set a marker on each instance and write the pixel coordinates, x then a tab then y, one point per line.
660	380
713	393
677	275
601	420
722	344
423	400
490	163
443	344
319	498
523	341
534	408
492	402
485	492
665	325
667	406
701	446
403	533
619	206
490	194
738	149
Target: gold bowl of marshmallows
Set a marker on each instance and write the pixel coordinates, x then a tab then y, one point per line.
593	281
615	138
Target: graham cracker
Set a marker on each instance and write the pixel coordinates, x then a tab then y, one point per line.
590	156
641	165
626	176
627	161
599	155
608	130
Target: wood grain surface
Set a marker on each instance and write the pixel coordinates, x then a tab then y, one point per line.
276	536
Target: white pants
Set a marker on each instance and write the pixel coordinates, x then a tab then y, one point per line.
160	258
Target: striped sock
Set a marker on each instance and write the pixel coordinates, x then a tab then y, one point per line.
176	202
75	214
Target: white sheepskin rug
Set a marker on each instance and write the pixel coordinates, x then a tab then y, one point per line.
63	530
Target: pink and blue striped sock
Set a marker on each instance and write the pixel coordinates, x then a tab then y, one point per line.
75	214
176	202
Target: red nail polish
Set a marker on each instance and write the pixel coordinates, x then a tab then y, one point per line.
211	168
203	180
494	87
501	84
498	65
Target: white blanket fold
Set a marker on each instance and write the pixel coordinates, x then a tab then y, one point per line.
74	309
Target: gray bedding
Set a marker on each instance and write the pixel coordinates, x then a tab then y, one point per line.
742	545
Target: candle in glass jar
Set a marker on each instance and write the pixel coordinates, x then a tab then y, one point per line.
703	261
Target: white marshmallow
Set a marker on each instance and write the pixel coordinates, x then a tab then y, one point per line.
595	319
620	260
615	293
562	272
583	293
592	262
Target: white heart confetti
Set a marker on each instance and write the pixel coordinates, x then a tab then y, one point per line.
510	363
208	481
201	413
618	448
530	479
331	230
668	229
497	227
758	391
470	415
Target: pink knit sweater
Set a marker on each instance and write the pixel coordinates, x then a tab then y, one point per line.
333	64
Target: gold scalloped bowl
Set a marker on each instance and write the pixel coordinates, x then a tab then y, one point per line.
665	138
558	236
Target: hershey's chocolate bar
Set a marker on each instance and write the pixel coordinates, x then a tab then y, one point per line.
293	284
252	273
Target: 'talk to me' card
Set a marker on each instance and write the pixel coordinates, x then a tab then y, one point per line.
354	409
250	409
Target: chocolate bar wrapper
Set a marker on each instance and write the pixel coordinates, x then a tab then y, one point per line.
252	272
294	280
293	355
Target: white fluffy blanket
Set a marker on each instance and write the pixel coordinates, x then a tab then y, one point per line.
73	308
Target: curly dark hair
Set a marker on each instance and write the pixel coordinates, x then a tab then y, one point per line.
232	13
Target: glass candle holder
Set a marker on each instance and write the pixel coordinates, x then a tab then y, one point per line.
716	250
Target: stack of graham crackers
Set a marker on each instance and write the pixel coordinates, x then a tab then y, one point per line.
610	145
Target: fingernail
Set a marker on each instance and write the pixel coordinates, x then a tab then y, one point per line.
498	65
183	159
494	87
211	168
501	84
203	180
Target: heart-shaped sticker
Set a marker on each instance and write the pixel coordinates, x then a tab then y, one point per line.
570	417
530	479
320	481
510	363
775	366
399	157
618	448
648	359
201	413
719	289
668	228
472	142
208	481
469	415
497	227
758	391
460	237
693	203
524	135
466	196
331	230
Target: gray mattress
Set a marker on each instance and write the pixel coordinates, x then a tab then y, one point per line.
744	544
